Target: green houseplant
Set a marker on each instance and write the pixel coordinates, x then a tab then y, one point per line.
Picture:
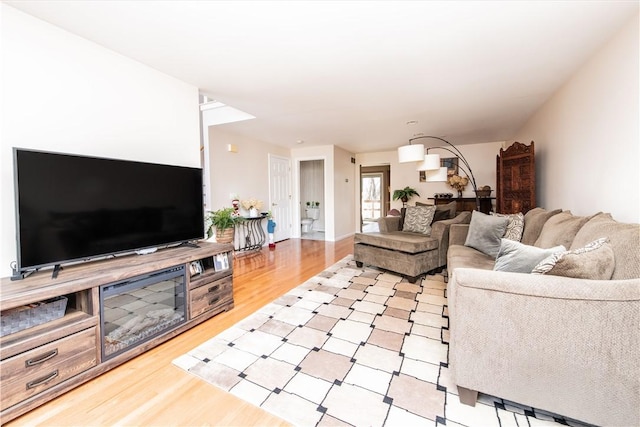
223	221
405	194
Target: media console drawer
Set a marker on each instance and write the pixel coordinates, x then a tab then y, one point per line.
36	370
211	295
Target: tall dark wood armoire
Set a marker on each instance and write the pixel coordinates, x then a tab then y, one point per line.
516	179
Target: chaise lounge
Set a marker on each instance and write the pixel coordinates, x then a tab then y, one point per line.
404	247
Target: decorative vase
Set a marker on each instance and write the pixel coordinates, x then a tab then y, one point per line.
459	194
253	213
224	236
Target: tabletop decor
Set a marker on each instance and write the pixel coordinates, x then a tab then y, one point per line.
457	182
253	206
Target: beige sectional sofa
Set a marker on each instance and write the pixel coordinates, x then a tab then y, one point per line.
567	345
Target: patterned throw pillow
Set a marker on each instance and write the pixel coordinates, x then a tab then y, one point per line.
515	226
593	261
418	219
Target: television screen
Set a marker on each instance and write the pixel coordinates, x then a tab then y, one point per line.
72	208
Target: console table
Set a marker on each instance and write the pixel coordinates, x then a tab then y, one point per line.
467	203
249	235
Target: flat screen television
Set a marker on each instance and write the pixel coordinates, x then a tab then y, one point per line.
74	208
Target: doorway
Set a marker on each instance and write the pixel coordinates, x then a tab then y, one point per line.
375	196
312	202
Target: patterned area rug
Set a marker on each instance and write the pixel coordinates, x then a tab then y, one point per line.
352	346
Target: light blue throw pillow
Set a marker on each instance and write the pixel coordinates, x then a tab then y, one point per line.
517	257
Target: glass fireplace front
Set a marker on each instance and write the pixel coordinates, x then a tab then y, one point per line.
139	309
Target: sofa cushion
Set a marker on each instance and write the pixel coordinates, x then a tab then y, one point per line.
485	232
623	238
594	261
460	256
560	229
450	207
418	219
533	222
399	241
440	216
515	227
520	258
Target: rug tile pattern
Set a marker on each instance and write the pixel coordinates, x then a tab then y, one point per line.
352	346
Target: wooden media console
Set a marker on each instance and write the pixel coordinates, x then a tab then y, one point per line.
39	363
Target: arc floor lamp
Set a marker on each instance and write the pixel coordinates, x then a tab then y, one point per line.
430	163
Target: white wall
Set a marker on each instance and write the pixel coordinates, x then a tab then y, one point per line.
587	135
344	180
63	93
244	173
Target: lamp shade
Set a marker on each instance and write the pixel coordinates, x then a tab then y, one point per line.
430	162
411	153
438	175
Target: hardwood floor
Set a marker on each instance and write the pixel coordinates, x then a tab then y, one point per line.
149	390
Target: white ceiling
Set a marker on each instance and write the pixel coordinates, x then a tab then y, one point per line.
354	73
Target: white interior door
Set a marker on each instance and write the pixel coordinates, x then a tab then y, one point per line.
280	196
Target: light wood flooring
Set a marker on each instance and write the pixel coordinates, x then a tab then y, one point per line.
149	390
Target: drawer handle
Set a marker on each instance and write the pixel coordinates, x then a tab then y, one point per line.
214	288
41	359
213	301
44	380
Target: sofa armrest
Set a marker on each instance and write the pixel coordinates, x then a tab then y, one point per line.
458	234
440	231
569	346
389	223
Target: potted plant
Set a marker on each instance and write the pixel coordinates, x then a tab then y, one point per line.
405	194
223	220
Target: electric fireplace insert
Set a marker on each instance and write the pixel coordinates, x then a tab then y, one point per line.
139	309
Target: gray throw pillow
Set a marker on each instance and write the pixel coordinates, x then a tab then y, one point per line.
418	219
520	258
594	261
485	232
